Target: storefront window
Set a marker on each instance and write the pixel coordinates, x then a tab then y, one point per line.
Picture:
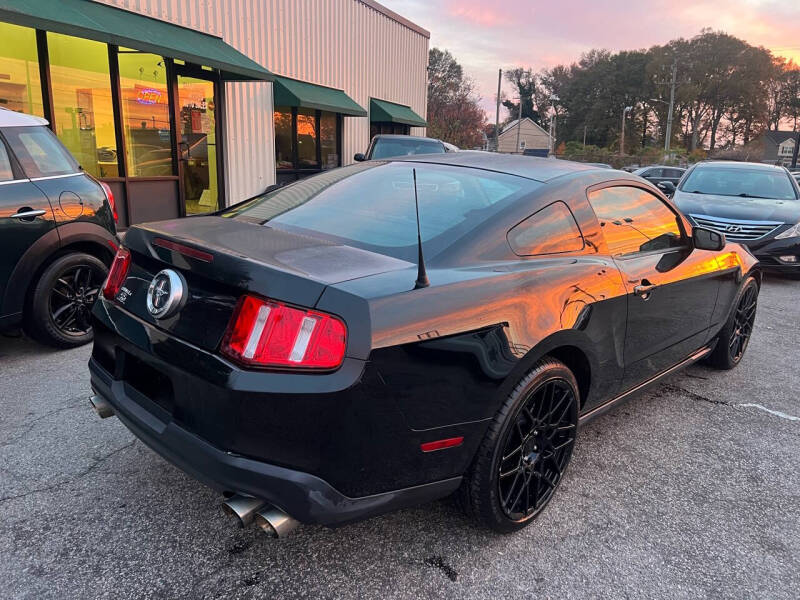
198	146
386	127
306	139
317	140
83	112
145	113
284	148
328	140
20	87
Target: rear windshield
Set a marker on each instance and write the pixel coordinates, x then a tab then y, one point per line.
740	182
39	152
391	147
371	205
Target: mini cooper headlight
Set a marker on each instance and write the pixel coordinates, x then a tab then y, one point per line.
793	231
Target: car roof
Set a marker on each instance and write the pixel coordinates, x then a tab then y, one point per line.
530	167
10	118
661	167
732	164
399	136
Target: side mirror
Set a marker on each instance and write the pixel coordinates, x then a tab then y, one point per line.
667	187
707	239
359	157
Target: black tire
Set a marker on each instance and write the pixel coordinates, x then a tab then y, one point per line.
62	299
735	334
539	418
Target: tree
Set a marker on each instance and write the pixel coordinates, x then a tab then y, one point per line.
454	112
524	82
726	91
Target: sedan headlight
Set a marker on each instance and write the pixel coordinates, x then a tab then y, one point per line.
793	231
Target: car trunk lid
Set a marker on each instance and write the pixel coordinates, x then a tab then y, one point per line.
222	258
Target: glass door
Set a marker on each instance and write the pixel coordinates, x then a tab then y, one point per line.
197	146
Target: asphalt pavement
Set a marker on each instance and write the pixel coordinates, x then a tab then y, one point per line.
691	490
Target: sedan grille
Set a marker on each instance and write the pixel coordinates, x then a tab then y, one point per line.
735	229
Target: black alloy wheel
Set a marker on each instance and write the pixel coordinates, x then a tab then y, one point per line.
526	450
537	449
735	335
744	317
62	300
72	297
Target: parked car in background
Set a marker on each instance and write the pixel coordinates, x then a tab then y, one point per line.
57	234
391	146
293	352
656	174
599	165
754	204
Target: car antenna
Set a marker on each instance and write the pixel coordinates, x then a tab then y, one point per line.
422	276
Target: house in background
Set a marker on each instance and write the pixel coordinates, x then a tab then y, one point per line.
532	138
779	147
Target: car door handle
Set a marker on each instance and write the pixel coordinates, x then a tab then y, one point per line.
28	214
644	289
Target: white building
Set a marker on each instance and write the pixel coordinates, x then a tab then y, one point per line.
183	106
531	137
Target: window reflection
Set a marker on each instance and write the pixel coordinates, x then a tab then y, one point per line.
316	143
327	140
634	220
306	138
20	88
83	111
549	231
284	147
145	113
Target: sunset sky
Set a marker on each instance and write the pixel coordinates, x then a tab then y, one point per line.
485	35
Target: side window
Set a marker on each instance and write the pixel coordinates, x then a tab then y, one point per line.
551	230
39	152
654	173
6	172
633	220
675	173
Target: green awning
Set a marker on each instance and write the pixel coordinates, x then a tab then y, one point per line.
291	92
103	23
381	110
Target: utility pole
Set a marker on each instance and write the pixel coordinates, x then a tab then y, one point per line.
584	137
519	121
625	111
497	114
671	105
796	148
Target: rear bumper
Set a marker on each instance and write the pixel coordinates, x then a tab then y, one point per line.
305	497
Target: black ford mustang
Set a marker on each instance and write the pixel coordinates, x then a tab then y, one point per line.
290	351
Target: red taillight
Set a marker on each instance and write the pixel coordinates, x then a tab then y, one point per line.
266	333
110	197
117	273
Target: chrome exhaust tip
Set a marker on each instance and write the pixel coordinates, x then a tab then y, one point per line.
243	508
101	407
275	522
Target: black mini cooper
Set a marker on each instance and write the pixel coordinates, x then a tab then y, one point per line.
393	332
57	234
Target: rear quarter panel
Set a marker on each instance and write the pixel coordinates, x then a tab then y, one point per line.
456	348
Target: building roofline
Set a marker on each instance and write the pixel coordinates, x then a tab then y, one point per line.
514	124
395	17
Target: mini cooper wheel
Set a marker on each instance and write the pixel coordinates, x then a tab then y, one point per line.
527	448
62	300
735	334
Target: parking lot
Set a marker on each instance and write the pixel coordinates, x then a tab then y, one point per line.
690	490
